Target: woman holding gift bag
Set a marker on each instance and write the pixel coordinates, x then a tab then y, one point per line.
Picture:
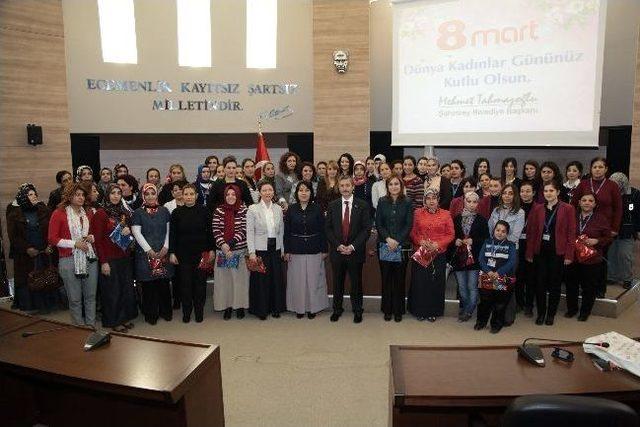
190	245
265	232
150	228
231	291
432	232
497	260
594	234
471	231
305	247
117	294
394	218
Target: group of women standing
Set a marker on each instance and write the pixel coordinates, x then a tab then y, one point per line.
510	241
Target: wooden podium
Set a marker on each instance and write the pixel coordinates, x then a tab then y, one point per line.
452	386
132	381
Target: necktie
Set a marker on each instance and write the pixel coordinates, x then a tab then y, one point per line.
345	223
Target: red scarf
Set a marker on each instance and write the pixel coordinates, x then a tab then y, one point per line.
230	211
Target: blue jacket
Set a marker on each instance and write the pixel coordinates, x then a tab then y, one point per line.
504	254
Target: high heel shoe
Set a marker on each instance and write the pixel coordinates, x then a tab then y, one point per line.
227	313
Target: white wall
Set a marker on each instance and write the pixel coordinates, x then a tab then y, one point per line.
623	22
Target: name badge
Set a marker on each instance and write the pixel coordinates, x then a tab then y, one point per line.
630	206
546	237
491	262
523	236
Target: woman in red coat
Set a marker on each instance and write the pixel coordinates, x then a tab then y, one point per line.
608	205
587	273
433	230
607	193
117	294
551	236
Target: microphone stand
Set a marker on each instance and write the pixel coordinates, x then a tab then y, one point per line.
532	353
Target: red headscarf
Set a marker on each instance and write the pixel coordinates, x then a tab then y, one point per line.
230	210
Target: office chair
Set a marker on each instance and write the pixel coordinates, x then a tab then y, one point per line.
562	411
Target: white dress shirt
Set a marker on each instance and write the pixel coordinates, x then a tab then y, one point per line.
344	206
271	223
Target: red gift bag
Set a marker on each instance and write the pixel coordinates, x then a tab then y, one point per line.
583	251
207	262
424	257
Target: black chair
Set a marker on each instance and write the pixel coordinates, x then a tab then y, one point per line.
563	411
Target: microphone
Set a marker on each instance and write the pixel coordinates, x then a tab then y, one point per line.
27	334
532	353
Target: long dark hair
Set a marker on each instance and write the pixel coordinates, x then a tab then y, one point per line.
515	206
401	196
283	163
349	157
505	162
476	165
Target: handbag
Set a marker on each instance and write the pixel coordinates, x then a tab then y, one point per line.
424	257
122	241
206	263
583	251
386	254
256	265
463	256
43	279
501	283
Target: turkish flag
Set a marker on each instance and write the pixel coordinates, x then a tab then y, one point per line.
262	155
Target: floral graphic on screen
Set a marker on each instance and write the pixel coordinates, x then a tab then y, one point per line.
568	13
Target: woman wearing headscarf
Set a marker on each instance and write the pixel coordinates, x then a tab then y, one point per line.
203	184
117	294
27	227
305	248
433	230
229	227
471	231
84	173
69	231
150	227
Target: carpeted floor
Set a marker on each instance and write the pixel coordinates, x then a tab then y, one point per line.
301	372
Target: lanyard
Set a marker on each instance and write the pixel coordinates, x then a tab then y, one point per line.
584	222
493	247
595	192
547	224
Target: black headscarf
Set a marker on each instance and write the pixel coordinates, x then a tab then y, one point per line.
22	197
118	211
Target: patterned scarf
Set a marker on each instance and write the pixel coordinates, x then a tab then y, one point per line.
118	212
79	228
151	209
230	211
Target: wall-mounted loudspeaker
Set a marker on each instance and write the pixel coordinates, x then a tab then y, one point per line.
34	134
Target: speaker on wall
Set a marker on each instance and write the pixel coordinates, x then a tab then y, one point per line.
34	134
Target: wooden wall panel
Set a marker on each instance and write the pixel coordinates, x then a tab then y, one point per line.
32	90
634	166
341	101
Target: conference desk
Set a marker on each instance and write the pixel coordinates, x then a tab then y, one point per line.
132	381
450	386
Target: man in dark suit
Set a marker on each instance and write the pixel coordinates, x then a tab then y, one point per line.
348	226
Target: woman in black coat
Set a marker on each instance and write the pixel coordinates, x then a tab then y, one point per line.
305	247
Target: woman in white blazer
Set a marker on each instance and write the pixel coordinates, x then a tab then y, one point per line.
265	232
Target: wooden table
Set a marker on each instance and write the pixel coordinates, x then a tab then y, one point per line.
140	381
449	386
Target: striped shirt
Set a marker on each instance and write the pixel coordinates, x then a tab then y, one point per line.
415	191
239	240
